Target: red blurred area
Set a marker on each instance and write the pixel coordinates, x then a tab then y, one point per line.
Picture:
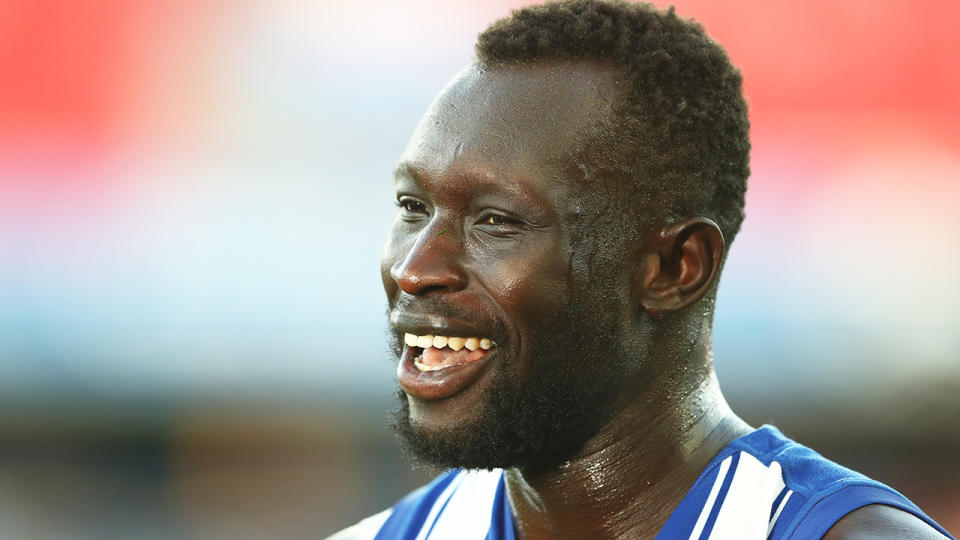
77	80
66	65
882	54
63	66
72	70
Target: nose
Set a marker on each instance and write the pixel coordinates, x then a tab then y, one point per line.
433	263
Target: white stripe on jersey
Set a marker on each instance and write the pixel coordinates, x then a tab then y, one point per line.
773	520
438	505
467	515
707	506
754	486
463	507
364	530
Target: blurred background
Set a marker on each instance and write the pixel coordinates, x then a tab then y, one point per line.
194	195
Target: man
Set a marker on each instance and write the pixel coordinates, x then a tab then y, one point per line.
564	210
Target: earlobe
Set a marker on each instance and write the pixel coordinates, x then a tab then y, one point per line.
680	265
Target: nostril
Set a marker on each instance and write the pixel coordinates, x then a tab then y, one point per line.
407	280
423	275
431	264
431	288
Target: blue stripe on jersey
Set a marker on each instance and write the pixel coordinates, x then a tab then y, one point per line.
776	502
821	492
440	512
685	516
501	522
721	495
787	515
410	513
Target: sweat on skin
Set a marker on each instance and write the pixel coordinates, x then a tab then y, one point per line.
488	166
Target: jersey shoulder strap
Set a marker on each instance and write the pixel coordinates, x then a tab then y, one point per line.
764	485
822	491
457	504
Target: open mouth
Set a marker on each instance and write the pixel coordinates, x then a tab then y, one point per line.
434	367
435	353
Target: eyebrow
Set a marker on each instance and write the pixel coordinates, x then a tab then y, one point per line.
406	170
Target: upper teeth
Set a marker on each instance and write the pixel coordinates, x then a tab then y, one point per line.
455	343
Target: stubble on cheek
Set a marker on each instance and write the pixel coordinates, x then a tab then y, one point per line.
533	413
547	394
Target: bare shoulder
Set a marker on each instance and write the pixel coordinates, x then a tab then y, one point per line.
878	521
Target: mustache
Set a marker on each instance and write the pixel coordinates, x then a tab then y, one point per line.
440	306
434	305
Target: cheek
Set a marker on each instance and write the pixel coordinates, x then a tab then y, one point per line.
386	262
389	286
392	252
530	287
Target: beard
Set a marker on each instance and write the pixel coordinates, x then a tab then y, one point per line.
538	415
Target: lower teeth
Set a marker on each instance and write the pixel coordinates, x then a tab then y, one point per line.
423	367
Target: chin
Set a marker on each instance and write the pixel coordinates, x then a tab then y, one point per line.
468	407
438	416
445	442
514	425
534	418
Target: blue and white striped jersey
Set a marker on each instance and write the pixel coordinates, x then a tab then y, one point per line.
762	485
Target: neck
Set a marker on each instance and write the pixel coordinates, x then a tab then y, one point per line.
628	478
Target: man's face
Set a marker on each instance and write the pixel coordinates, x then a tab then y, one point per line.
484	246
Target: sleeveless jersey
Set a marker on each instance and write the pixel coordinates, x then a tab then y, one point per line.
760	486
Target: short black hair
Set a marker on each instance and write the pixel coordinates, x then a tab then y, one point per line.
681	124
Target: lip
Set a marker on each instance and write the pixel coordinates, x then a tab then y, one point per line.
440	384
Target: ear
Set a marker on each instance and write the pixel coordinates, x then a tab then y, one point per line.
680	265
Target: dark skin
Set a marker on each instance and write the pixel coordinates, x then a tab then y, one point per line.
485	224
879	521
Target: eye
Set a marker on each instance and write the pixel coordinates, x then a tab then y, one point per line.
499	224
495	219
411	206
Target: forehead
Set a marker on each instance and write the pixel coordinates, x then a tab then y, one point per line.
512	122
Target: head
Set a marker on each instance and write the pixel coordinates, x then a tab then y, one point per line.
567	197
